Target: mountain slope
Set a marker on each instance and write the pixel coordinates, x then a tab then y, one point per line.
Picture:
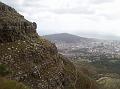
66	38
33	60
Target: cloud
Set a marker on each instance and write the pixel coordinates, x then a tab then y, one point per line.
73	16
101	1
58	6
74	11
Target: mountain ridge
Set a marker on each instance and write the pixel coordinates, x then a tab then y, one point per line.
67	38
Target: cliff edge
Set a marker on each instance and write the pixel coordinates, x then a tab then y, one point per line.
33	60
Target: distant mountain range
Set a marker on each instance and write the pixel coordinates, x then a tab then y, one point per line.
67	38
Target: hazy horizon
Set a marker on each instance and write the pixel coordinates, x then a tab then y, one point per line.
86	18
95	36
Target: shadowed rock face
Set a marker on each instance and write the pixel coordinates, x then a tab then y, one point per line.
33	60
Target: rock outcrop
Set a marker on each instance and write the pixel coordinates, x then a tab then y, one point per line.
13	26
33	60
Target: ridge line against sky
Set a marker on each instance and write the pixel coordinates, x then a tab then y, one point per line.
91	18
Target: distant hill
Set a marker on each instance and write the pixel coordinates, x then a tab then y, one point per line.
67	38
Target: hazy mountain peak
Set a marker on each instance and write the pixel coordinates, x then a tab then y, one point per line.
67	38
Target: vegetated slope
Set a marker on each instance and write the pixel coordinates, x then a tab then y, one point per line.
33	60
67	38
109	83
10	84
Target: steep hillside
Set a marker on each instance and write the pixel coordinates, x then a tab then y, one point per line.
33	60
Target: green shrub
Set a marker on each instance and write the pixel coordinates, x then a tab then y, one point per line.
3	70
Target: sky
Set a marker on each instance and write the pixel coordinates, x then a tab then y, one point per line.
88	18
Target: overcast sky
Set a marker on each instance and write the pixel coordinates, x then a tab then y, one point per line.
91	18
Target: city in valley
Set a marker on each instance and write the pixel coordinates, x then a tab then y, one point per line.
102	56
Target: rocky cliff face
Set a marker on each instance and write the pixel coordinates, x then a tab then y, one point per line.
33	60
13	26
